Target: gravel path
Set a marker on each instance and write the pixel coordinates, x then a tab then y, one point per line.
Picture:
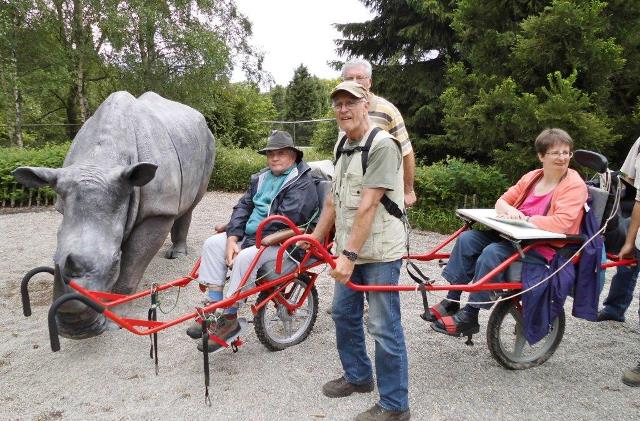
112	377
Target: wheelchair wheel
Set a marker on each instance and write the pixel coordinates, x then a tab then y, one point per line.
507	343
278	329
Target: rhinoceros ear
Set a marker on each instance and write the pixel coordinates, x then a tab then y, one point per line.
139	174
36	176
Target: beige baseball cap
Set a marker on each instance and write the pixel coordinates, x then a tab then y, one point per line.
352	88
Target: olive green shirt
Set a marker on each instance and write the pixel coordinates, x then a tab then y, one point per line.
384	162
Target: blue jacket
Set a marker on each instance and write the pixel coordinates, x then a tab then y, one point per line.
297	199
543	304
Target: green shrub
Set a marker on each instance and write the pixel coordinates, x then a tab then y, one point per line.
325	136
234	166
454	183
11	158
447	185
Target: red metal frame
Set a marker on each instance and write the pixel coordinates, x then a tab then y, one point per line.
147	327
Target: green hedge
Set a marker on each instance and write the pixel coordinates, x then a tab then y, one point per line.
232	170
11	158
447	185
441	187
234	166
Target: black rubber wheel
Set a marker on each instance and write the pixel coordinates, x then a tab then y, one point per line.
507	343
276	328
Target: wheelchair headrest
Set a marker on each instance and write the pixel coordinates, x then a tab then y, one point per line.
592	160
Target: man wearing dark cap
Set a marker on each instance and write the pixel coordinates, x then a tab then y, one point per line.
366	207
285	187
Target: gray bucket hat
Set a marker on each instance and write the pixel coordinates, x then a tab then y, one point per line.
281	140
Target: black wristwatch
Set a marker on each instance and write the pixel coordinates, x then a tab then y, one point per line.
351	255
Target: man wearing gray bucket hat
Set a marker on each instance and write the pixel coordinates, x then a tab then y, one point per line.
285	187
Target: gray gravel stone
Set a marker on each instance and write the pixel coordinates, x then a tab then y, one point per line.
112	377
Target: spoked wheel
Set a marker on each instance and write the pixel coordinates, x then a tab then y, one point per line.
507	343
276	327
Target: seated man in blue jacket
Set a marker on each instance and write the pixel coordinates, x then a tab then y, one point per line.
286	188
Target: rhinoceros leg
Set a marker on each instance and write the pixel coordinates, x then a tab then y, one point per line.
179	233
143	243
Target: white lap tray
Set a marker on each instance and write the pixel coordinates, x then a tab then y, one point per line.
515	232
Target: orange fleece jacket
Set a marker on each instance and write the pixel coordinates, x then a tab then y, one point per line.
567	201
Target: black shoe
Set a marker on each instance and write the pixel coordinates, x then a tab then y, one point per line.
460	324
603	316
339	388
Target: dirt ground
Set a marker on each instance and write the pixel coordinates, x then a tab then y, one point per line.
112	376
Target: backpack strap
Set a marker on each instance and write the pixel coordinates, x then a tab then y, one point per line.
390	206
340	149
365	149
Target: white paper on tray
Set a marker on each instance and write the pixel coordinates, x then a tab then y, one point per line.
488	217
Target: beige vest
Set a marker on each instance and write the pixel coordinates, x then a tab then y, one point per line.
387	239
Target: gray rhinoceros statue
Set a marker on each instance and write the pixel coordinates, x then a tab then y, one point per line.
134	173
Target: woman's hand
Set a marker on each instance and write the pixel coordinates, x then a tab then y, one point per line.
504	210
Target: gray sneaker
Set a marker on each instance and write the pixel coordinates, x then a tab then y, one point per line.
226	327
378	413
631	377
195	329
339	388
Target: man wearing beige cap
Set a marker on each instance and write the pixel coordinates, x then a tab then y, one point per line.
366	205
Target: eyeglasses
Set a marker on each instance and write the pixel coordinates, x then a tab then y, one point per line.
356	78
563	154
349	104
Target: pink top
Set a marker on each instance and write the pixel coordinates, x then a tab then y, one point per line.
537	205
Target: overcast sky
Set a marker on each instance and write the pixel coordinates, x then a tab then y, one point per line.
291	32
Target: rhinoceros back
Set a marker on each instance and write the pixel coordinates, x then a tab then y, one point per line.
193	144
125	130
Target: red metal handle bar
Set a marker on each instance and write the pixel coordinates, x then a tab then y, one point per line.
153	327
315	244
482	284
275	218
433	253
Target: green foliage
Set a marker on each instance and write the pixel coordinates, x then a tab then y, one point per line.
454	183
12	158
60	60
236	117
442	220
278	96
234	167
481	79
568	36
325	134
448	185
306	99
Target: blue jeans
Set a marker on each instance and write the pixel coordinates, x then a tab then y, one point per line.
621	290
475	254
385	325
